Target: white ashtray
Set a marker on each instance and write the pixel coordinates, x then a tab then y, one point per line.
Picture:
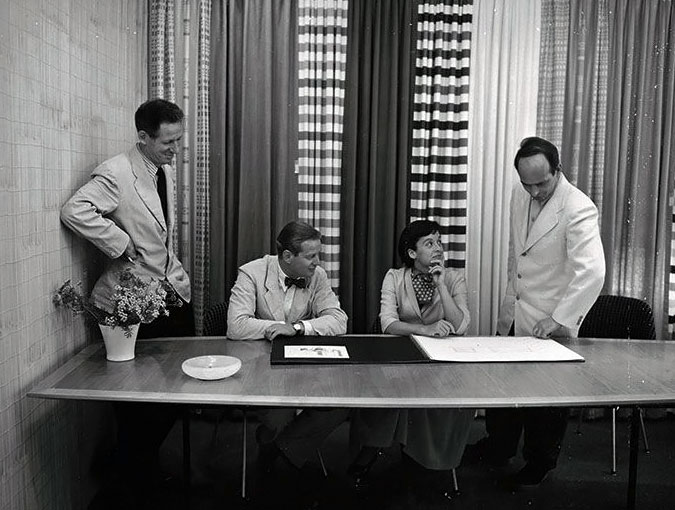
209	368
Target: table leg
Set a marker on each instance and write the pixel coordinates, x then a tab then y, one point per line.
186	458
243	460
632	466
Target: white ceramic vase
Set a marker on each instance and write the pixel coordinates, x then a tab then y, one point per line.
119	346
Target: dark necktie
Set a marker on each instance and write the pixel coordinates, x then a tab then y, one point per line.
300	283
424	287
161	189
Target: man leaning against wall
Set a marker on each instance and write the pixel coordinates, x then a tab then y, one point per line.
126	210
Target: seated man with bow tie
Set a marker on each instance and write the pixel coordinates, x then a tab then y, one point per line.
288	294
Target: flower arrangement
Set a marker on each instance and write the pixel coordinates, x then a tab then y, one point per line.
135	301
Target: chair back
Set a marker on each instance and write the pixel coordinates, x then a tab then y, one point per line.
215	320
619	317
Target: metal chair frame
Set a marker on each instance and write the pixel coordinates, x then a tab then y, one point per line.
619	317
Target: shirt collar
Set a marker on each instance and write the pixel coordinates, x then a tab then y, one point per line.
282	276
149	165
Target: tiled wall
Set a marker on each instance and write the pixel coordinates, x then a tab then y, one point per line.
72	73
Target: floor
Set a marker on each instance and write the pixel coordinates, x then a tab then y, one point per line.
581	481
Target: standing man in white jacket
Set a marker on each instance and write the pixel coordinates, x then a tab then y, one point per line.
126	210
556	269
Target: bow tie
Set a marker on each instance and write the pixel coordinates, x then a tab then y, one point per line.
300	283
424	287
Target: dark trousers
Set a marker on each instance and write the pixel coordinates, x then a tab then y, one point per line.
300	436
143	427
141	430
544	429
180	322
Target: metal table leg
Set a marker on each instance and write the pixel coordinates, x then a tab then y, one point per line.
186	458
243	455
632	466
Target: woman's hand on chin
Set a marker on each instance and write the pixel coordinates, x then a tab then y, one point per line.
436	272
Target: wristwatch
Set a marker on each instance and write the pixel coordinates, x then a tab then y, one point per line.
299	328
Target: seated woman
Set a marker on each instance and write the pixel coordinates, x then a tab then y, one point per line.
423	298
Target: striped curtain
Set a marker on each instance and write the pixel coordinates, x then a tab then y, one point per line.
162	70
552	70
441	120
191	83
322	56
201	216
162	79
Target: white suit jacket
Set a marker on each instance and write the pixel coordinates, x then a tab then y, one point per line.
257	301
121	202
559	268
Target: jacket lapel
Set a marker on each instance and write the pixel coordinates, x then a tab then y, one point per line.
519	216
273	294
146	188
549	216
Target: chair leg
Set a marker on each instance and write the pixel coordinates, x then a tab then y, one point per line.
243	459
455	485
614	440
644	430
323	465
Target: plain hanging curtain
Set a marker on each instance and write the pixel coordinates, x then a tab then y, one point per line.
375	152
503	109
254	89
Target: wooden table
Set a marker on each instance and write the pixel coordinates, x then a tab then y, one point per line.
616	372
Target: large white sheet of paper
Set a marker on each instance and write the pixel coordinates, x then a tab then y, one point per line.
494	348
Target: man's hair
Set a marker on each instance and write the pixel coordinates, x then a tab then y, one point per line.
413	233
155	112
293	235
534	145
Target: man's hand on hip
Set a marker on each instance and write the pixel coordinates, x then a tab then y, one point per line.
130	253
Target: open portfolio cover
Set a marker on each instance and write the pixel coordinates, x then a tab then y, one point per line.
354	349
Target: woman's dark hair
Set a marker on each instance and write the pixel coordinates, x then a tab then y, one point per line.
534	145
293	235
413	233
155	112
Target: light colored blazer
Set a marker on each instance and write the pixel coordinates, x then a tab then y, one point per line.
559	269
257	301
398	301
119	202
